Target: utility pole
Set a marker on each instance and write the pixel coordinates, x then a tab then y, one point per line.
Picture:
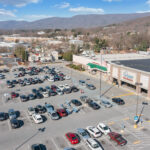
100	77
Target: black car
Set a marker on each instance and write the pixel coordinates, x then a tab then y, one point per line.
24	98
14	82
15	123
38	95
74	89
31	97
38	147
40	89
90	86
67	91
93	105
40	109
118	101
3	116
34	91
76	102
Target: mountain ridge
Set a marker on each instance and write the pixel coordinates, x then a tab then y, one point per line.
78	21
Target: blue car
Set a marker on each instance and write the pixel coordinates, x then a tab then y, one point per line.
83	133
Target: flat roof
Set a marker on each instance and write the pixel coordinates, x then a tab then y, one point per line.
139	64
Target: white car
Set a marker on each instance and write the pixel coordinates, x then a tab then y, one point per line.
67	77
93	144
31	111
37	118
94	131
51	79
45	94
67	86
61	87
103	128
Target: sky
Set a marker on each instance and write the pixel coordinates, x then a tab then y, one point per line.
31	10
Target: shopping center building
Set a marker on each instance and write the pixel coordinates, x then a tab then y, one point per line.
131	70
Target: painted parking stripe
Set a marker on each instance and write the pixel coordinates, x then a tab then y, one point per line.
137	142
127	94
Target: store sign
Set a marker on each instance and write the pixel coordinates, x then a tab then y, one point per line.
127	76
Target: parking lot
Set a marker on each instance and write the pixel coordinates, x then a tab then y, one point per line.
54	134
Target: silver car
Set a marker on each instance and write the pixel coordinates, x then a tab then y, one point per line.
83	133
12	114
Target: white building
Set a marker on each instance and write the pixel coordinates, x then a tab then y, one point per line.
76	42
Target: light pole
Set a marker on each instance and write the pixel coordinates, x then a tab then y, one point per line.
137	100
137	103
100	77
143	103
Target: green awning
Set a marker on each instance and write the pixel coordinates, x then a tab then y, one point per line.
95	66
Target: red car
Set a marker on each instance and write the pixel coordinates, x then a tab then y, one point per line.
72	137
117	138
14	95
62	112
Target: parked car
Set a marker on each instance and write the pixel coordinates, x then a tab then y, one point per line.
38	95
31	97
40	109
67	90
84	98
103	128
72	137
82	82
49	107
62	112
14	95
90	86
118	101
69	148
93	144
117	138
53	114
12	114
105	103
76	102
74	89
37	118
45	94
67	77
3	116
15	123
38	147
94	131
83	133
31	111
93	105
24	98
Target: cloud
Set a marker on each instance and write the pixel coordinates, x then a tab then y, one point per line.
87	10
148	2
65	5
18	3
35	17
8	13
147	11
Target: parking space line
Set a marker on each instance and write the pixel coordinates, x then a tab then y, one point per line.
127	94
137	142
28	117
111	123
55	143
9	125
126	118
